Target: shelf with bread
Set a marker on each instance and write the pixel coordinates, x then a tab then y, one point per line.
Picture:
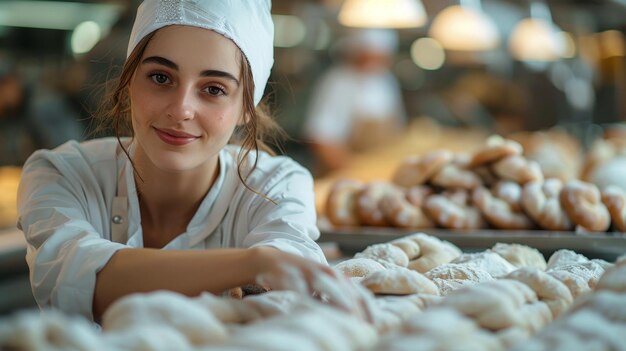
538	188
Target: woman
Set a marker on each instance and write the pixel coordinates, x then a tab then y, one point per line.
108	217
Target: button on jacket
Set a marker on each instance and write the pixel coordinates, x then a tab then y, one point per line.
66	211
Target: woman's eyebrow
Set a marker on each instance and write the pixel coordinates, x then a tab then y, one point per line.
206	73
221	74
161	61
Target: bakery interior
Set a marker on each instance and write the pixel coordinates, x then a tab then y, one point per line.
509	159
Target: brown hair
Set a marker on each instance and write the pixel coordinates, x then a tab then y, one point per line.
257	132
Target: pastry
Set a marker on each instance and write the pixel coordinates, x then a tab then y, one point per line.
448	212
341	203
498	212
520	255
417	170
358	267
496	148
399	281
542	203
582	203
518	169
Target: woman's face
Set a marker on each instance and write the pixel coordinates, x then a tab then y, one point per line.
186	97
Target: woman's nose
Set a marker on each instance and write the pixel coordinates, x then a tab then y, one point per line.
182	107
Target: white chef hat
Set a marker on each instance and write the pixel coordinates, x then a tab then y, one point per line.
248	23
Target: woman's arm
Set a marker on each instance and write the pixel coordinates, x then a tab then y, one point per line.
186	272
192	272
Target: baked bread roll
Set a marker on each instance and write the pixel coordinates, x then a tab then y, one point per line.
341	203
152	337
582	203
499	212
433	252
487	177
227	310
410	247
273	303
565	257
610	304
557	153
454	176
453	210
390	256
368	202
600	152
317	327
579	278
518	169
496	148
404	306
424	301
452	276
174	310
610	173
392	311
459	271
399	212
542	203
486	261
445	286
614	279
614	198
548	289
493	305
416	195
49	330
509	192
399	281
417	170
358	267
511	337
535	316
584	329
520	255
440	329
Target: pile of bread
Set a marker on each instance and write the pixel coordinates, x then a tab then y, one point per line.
493	300
494	187
428	296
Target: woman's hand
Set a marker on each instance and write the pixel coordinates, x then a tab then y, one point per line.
283	271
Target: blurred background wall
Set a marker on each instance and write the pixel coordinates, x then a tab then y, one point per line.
461	63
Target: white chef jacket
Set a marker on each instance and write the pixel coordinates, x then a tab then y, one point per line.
66	211
345	95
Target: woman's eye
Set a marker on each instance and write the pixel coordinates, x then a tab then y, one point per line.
159	78
213	90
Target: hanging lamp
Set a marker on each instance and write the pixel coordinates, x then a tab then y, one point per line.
465	27
383	13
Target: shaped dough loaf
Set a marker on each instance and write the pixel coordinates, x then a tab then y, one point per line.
169	309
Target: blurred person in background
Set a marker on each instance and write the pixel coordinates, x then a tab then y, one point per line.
32	116
16	140
357	104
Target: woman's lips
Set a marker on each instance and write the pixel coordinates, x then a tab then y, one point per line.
174	137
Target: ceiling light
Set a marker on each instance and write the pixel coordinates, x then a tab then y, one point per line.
536	38
383	13
465	27
427	53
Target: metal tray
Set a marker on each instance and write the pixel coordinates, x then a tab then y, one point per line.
607	246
